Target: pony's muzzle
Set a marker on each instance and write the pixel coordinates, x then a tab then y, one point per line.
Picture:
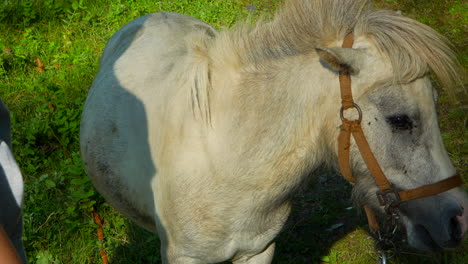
451	231
436	222
436	235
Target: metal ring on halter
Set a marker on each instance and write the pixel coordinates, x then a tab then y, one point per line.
356	106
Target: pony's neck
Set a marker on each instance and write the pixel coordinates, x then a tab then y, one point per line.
279	115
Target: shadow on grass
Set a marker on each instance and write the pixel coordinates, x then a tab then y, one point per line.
322	214
142	247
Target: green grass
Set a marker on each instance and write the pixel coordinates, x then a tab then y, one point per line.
68	37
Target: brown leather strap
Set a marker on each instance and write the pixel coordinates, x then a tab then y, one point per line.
346	94
343	151
345	78
354	127
431	189
344	139
371	219
348	41
369	158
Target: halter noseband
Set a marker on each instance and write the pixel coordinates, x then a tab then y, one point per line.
388	197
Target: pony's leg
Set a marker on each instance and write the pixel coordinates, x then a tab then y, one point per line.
263	258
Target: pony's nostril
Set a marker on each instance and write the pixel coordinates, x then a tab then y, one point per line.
455	230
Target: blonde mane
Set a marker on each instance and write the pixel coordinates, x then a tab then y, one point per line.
301	25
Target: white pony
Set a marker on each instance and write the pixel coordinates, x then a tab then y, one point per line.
204	136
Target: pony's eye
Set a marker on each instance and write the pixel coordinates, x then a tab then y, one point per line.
400	122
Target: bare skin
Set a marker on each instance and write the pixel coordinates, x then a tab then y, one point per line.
8	254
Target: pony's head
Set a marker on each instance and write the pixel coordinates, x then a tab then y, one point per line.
389	64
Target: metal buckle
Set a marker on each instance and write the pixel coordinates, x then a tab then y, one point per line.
389	198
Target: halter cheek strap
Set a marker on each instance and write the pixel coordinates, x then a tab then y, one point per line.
388	196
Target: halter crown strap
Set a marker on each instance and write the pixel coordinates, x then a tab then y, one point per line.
345	79
354	127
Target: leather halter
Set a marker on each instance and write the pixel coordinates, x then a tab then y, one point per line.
389	197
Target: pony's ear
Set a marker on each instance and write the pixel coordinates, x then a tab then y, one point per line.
340	59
